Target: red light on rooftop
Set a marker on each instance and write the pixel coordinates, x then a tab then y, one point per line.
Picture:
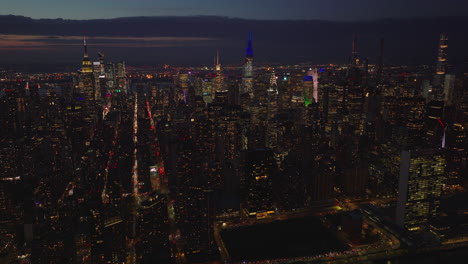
441	123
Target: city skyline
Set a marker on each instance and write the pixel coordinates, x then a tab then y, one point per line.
333	10
188	41
209	139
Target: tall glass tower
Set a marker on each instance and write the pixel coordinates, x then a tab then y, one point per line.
441	69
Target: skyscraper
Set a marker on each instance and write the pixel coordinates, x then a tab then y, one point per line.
380	62
86	83
219	79
258	196
310	88
247	68
273	82
441	70
419	188
217	64
99	76
307	88
121	77
354	53
449	89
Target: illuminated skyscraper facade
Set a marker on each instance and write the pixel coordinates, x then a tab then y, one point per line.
420	187
121	77
315	78
441	70
219	79
310	88
99	76
273	81
86	83
247	68
307	88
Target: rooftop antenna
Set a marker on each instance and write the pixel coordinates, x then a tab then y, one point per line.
84	44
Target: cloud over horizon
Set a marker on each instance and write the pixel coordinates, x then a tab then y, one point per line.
41	42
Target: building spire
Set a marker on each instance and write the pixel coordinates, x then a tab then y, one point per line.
380	65
247	68
85	47
87	66
217	64
354	50
249	50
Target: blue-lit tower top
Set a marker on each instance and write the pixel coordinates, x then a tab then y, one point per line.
249	50
247	68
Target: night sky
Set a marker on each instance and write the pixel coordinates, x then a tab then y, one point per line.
335	10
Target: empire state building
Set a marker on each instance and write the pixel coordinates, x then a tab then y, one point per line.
86	83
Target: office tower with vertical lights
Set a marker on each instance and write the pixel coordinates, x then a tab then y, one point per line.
420	187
